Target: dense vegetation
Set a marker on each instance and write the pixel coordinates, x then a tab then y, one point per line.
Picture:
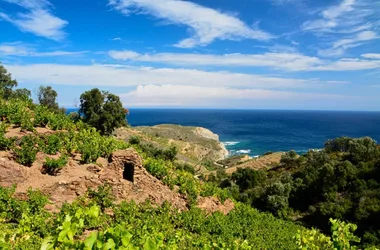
341	181
311	187
95	222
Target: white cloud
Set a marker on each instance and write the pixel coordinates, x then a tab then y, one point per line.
37	19
338	10
360	37
371	56
206	24
123	55
6	50
284	61
123	76
280	61
349	24
197	96
16	49
339	47
347	64
331	17
187	88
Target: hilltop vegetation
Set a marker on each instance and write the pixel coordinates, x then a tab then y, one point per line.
341	181
96	221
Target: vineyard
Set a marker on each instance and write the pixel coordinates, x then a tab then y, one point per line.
95	222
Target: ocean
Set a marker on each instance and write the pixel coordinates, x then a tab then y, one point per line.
256	132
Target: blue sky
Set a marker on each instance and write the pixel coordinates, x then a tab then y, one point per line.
260	54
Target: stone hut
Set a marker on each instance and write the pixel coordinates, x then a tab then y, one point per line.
127	163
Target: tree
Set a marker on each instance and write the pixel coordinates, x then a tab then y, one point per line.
23	94
46	97
102	110
6	83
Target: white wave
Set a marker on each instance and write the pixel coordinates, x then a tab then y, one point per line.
230	143
243	151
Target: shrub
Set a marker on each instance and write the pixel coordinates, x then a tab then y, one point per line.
185	167
27	151
53	145
134	140
166	154
53	166
170	153
156	167
342	237
102	197
5	143
42	116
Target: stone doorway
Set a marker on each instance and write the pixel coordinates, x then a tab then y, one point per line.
129	170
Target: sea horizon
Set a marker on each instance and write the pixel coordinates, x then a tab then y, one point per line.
242	109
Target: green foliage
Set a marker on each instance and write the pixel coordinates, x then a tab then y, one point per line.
185	167
342	238
356	150
47	97
17	112
102	110
92	145
134	140
5	143
170	153
341	181
247	178
22	94
289	159
313	240
6	83
83	225
53	144
156	167
26	151
102	196
165	154
53	166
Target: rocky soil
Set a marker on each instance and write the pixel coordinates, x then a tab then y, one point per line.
75	179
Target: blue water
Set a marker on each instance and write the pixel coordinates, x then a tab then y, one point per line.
258	131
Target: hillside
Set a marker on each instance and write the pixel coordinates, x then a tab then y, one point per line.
259	163
194	143
74	187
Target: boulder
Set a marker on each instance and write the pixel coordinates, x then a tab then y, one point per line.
11	172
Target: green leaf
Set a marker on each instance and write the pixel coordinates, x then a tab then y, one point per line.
109	245
91	240
150	245
47	244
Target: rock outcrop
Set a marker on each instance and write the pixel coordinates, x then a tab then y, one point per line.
212	204
11	172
